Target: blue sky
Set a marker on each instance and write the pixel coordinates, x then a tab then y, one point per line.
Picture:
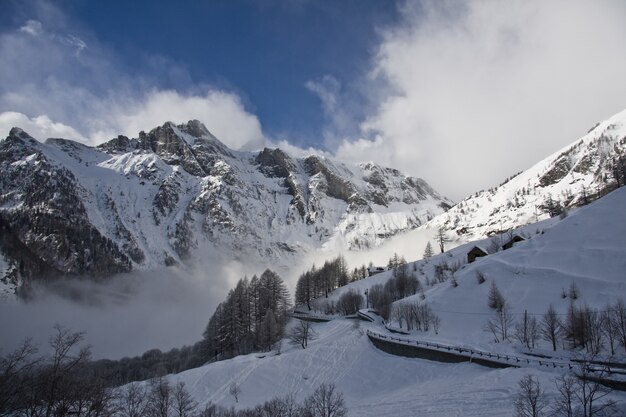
462	93
266	51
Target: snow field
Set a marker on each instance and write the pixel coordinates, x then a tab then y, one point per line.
373	383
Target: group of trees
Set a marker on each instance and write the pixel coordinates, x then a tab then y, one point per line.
416	316
318	282
593	329
152	363
325	401
59	384
582	327
579	393
402	284
63	384
252	317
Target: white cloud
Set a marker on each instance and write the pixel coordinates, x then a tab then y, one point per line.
32	27
75	42
55	77
326	88
40	127
221	111
481	89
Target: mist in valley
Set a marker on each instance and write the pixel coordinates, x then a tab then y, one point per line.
129	314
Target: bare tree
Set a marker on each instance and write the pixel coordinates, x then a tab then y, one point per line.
527	331
563	405
159	398
133	400
500	323
442	239
13	368
550	326
183	403
350	302
325	402
301	334
436	323
589	393
609	328
531	400
619	316
67	356
235	391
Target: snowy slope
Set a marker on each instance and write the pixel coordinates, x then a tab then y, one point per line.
586	167
177	192
587	248
374	383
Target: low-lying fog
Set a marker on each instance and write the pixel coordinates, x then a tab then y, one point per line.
132	313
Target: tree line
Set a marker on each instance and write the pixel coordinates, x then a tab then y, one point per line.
253	317
317	282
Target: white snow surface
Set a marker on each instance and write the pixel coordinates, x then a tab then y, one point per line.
587	248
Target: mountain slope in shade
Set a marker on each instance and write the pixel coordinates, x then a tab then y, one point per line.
587	169
141	203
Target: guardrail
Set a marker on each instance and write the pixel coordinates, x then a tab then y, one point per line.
471	355
311	317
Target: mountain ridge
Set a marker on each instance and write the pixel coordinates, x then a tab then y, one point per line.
574	175
145	202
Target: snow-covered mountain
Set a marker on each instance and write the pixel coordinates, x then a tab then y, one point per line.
141	203
588	168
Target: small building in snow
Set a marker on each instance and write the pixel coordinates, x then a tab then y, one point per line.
475	252
512	241
373	270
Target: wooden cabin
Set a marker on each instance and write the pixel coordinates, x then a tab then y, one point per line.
475	252
373	270
512	241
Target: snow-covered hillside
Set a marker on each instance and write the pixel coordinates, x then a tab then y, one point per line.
587	248
157	199
374	383
589	167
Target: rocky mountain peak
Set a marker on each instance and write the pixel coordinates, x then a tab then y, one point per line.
274	163
150	201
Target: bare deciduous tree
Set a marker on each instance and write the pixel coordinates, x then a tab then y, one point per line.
563	405
550	327
159	398
183	403
500	323
527	331
442	239
235	391
325	401
531	400
133	400
301	334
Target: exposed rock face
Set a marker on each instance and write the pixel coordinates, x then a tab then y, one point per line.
145	202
